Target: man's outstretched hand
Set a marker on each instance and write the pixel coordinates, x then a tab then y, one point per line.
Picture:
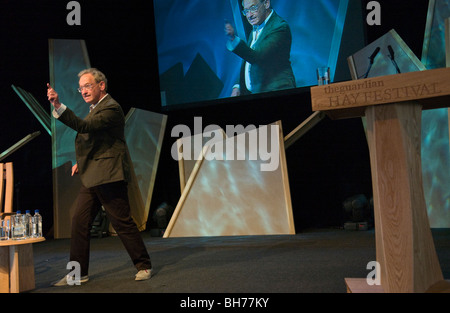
52	96
229	30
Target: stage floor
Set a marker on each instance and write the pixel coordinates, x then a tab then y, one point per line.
314	261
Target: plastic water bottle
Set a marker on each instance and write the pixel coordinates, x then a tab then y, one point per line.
27	223
4	229
36	222
18	228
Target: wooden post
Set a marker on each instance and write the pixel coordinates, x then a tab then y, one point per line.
303	128
404	245
9	188
21	268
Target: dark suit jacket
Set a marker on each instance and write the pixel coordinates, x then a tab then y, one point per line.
100	147
270	58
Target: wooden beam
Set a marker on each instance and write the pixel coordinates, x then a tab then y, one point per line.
303	128
350	99
9	188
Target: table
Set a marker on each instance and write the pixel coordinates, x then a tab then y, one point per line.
17	265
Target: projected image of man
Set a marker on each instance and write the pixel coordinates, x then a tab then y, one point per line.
266	56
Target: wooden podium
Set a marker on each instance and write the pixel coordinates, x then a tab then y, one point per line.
393	108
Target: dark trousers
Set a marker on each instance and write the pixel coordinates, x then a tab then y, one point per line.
114	198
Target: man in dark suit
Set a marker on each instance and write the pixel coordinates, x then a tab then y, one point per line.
266	56
104	167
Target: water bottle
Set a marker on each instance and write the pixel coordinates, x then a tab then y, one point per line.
36	223
17	227
27	223
4	230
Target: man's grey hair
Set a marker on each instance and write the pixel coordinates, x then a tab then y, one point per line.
260	1
98	75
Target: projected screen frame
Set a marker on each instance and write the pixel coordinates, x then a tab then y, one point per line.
173	69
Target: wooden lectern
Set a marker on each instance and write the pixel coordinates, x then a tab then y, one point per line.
393	108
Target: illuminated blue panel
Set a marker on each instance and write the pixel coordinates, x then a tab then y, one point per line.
67	58
435	123
39	112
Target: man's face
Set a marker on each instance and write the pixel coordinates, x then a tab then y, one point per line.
259	15
91	91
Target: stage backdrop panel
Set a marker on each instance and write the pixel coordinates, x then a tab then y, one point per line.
35	107
144	132
66	59
233	197
188	147
435	123
435	151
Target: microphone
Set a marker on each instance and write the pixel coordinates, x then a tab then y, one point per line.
374	54
392	57
371	58
391	51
